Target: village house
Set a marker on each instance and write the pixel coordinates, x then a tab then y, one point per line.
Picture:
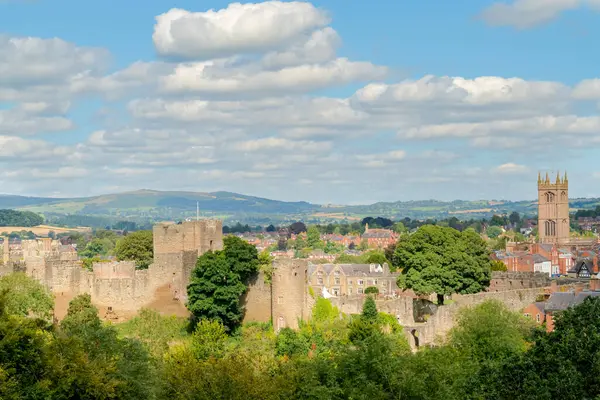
536	312
352	279
379	238
560	301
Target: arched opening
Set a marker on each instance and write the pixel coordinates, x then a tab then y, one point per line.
210	245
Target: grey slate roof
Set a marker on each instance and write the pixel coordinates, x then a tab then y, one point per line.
560	301
538	258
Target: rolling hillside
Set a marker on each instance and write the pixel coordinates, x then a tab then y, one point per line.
152	205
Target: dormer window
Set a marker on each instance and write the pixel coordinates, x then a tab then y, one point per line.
336	272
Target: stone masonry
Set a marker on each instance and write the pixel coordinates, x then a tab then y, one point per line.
118	284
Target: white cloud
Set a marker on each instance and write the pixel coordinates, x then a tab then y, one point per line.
204	78
511	168
527	13
237	29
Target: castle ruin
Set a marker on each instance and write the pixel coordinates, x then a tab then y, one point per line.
118	284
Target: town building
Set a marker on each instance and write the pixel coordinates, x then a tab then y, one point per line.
352	279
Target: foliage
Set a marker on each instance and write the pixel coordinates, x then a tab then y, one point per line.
20	218
137	246
209	339
369	257
369	311
324	311
443	261
157	332
265	262
498	265
489	331
372	290
219	280
297	228
26	296
493	231
313	238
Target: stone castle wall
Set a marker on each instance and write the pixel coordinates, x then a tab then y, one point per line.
258	300
118	284
502	281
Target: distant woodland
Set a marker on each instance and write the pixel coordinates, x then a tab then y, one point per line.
20	218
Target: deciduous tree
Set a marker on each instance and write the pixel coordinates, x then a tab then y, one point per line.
444	261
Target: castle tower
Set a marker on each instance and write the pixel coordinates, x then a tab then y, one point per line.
553	209
289	293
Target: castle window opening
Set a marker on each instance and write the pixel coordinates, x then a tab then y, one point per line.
336	291
295	273
359	290
360	282
320	281
337	281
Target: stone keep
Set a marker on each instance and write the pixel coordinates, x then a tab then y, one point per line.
176	249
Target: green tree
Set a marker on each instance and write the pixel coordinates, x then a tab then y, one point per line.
514	217
137	246
399	227
313	238
369	311
219	281
123	365
26	296
493	231
498	265
443	261
209	339
372	290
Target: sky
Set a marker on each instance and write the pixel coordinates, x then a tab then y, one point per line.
332	102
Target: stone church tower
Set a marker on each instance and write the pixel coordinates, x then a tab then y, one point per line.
553	209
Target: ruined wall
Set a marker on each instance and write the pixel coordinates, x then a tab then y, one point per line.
257	300
502	281
400	307
117	284
290	293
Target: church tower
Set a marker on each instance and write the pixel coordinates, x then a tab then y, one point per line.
553	209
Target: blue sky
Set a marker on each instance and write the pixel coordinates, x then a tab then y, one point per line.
330	102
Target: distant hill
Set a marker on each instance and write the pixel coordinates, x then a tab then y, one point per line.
153	205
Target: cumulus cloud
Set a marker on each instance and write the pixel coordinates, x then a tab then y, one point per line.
511	168
234	103
237	29
524	14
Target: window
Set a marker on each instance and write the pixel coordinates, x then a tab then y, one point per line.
337	281
359	290
375	282
350	290
360	282
537	317
336	292
370	282
319	272
350	282
336	272
280	300
526	314
320	281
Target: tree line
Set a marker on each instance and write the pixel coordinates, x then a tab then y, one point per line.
20	218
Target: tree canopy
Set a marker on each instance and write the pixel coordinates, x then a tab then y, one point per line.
27	296
444	261
137	246
219	280
20	218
